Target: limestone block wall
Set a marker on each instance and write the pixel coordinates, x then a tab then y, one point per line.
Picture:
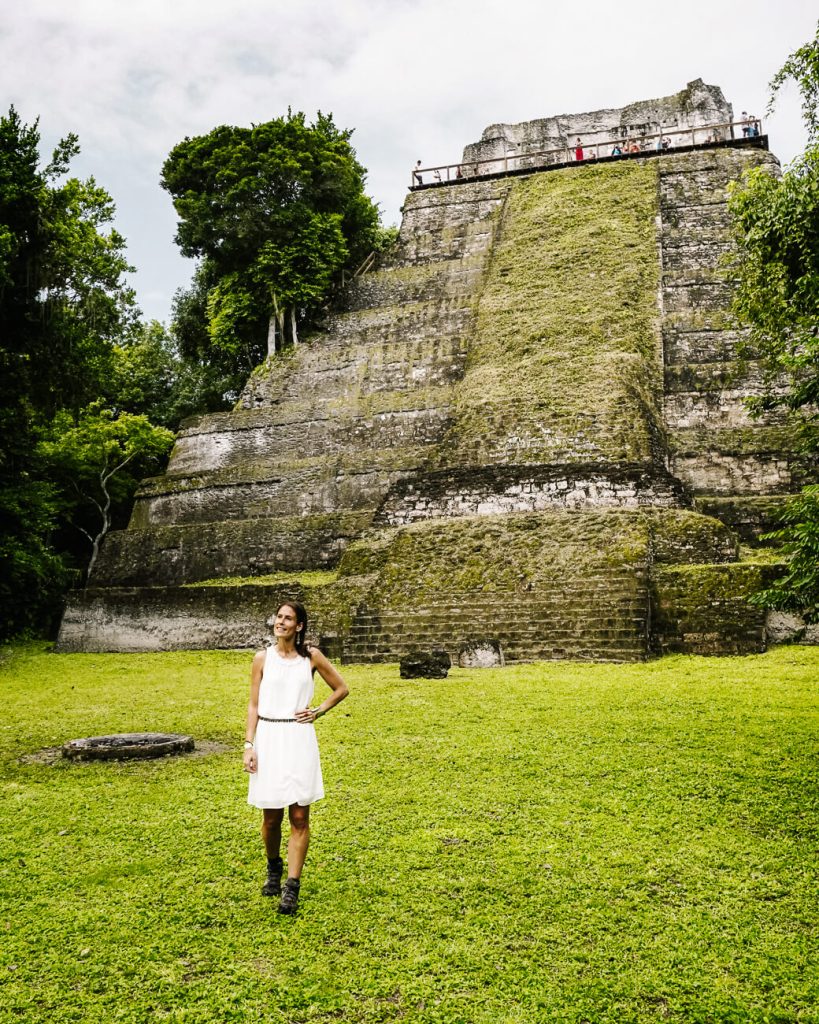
494	490
704	609
168	556
697	104
132	619
716	448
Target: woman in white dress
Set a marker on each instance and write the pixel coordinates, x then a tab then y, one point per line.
281	753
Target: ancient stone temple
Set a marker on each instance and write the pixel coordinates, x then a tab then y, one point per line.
523	431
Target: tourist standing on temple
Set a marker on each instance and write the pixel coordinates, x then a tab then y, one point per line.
281	751
746	124
578	150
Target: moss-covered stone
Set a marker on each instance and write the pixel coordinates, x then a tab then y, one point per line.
312	578
505	358
704	609
748	516
750	440
568	311
173	555
684	536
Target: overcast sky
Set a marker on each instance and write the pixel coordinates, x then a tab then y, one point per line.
414	78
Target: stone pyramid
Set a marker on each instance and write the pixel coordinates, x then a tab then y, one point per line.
522	432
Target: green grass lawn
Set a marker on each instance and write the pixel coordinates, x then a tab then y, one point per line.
550	842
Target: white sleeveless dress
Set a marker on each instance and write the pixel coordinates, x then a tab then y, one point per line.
287	756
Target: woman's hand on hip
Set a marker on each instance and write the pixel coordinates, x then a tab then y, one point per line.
307	715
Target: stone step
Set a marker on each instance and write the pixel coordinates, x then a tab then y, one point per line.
380	365
687	348
713	376
700	296
417	321
173	555
292	432
544	651
321	487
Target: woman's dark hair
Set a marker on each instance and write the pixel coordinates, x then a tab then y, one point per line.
301	625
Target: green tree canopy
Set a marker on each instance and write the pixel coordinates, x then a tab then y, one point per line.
97	462
777	226
802	68
274	212
63	304
778	289
63	296
777	262
149	376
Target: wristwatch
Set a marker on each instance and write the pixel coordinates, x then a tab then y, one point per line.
248	745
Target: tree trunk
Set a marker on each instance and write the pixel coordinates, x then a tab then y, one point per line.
276	328
271	336
105	510
293	332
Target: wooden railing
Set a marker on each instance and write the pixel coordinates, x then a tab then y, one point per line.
625	144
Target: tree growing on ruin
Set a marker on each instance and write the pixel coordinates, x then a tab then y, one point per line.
273	212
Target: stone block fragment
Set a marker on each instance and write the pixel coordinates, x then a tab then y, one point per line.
486	655
425	665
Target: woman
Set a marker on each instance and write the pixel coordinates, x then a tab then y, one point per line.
281	752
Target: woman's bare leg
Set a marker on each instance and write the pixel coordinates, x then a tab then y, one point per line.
299	839
272	830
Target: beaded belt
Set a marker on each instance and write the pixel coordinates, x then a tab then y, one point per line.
263	719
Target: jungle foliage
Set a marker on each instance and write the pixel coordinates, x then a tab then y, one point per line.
273	212
72	352
777	224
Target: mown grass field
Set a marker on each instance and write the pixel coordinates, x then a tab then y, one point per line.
551	842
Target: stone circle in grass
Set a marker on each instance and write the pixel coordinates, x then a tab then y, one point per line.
126	745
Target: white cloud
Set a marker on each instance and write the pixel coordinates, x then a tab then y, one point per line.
413	77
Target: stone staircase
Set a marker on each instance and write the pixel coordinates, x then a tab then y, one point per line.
607	621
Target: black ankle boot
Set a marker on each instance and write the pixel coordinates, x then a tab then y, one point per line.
290	896
273	882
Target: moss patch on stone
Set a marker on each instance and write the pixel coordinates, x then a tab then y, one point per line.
761	556
704	609
685	536
313	578
522	552
564	357
748	516
364	461
751	440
